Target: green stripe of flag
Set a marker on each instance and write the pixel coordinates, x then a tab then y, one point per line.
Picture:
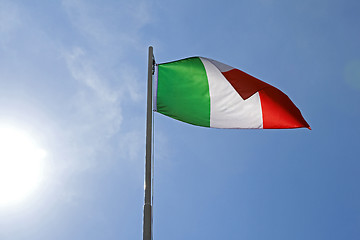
183	91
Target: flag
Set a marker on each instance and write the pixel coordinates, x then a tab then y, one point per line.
207	93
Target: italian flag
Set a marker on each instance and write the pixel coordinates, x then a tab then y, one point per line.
208	93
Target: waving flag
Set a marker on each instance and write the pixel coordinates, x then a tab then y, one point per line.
208	93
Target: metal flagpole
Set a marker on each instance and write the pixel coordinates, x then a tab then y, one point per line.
147	228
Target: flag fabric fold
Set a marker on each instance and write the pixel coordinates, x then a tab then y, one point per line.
207	93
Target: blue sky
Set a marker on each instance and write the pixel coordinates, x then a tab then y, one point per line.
73	76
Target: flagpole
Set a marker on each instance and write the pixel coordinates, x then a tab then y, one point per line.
147	228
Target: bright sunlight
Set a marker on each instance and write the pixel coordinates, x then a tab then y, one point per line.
21	165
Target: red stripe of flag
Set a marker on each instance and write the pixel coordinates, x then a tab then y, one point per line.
277	109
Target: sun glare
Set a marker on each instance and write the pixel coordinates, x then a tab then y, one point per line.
21	165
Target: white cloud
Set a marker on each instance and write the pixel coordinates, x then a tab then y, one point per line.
96	107
105	63
130	143
82	70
